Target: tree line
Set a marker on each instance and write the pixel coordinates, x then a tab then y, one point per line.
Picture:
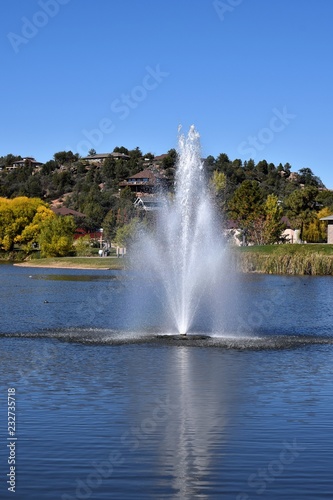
262	198
254	195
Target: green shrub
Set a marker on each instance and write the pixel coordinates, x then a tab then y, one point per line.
83	246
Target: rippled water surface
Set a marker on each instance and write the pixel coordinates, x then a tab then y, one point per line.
110	405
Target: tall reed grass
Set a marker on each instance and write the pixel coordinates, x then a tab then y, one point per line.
14	256
314	264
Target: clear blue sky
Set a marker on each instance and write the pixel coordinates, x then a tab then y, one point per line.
254	76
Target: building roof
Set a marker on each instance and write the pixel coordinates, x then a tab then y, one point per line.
148	203
145	177
67	211
144	174
27	159
103	156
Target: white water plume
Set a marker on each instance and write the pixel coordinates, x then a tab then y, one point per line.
184	253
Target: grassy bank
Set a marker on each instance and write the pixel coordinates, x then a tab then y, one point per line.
315	260
76	263
271	259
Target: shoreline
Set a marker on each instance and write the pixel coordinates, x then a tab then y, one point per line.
81	263
60	266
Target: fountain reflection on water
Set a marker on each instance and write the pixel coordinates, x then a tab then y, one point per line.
185	254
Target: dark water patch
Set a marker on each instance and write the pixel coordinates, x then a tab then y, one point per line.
75	277
94	336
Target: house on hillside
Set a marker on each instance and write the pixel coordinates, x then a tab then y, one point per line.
96	235
28	161
147	207
329	220
64	211
145	181
99	158
67	211
147	203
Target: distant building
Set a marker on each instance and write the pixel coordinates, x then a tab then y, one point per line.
329	220
79	232
145	181
148	203
67	211
290	235
99	158
28	161
233	233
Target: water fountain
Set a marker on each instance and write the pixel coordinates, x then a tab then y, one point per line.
185	289
185	253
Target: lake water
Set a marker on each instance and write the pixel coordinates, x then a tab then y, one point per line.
107	409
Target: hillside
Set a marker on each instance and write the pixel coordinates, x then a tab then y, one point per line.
91	185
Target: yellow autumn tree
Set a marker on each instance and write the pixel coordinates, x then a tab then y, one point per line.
31	232
273	227
316	230
56	237
20	219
